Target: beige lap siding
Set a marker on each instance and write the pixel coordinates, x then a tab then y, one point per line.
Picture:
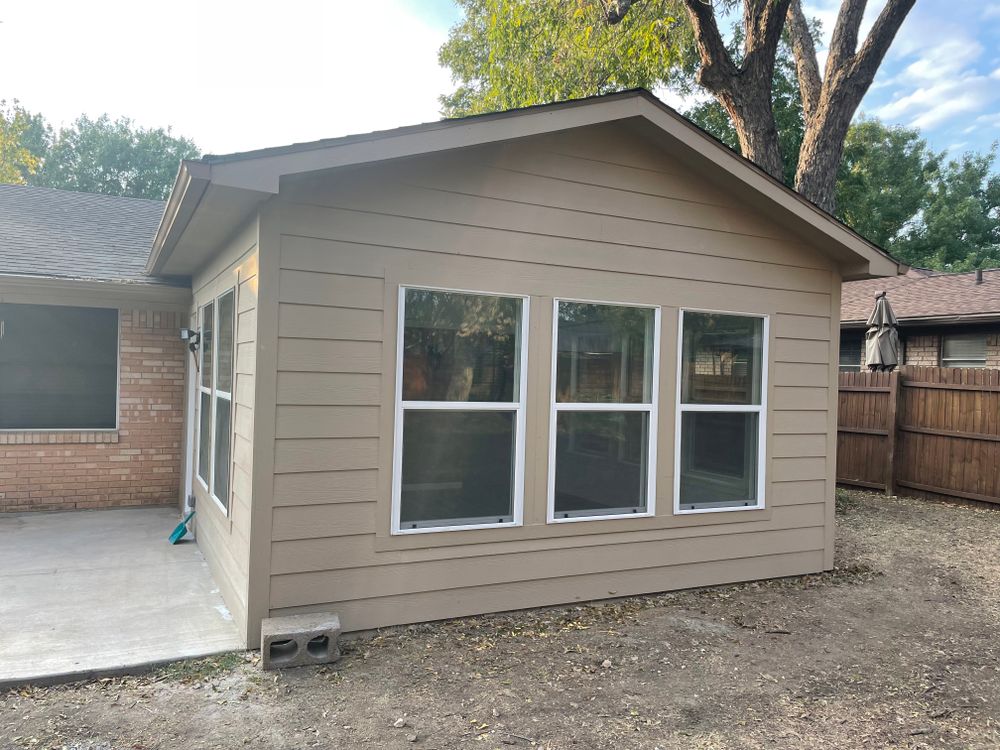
588	215
224	538
138	464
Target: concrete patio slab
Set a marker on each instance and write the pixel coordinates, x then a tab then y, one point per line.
101	592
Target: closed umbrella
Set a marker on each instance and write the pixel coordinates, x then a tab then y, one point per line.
882	338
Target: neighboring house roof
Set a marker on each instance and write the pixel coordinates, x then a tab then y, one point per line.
60	234
213	195
926	296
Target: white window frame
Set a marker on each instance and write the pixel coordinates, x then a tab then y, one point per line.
203	389
517	407
759	409
947	361
214	394
652	408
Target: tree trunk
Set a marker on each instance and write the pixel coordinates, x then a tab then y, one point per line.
744	91
756	129
829	104
820	156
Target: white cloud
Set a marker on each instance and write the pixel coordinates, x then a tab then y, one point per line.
991	10
233	76
990	121
938	75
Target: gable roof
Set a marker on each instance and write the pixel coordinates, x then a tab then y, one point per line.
215	194
60	234
926	296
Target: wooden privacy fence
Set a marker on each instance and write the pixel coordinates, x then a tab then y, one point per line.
921	430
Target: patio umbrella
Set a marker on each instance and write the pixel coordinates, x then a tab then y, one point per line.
882	338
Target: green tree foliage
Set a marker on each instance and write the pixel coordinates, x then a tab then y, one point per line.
514	53
883	182
959	225
113	157
22	140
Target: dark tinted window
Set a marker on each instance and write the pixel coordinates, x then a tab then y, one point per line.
58	367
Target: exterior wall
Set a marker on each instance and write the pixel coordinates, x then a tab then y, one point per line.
546	218
137	464
225	539
923	350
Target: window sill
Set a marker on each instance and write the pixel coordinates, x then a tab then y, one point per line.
542	531
57	437
609	517
732	509
444	529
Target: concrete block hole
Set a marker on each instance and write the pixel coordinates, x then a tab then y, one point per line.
319	647
281	652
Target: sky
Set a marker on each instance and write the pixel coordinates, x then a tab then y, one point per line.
238	76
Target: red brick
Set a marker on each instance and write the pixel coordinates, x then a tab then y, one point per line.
138	464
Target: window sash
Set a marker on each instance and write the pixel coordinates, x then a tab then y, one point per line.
208	315
760	409
649	407
963	350
516	407
204	473
852	346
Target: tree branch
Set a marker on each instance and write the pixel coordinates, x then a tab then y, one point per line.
869	57
616	10
844	41
764	21
806	65
717	69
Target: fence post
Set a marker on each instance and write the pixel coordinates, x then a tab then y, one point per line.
892	425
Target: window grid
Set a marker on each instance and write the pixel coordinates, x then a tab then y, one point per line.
517	407
759	409
616	407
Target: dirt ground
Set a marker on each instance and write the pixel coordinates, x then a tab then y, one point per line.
897	648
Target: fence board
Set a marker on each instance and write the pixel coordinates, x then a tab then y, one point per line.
932	430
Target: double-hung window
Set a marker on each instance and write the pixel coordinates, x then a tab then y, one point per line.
963	350
460	394
215	395
603	421
721	412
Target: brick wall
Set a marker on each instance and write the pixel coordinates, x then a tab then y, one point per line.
139	464
923	350
993	350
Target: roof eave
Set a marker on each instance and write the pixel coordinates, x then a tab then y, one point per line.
260	172
943	320
193	179
108	291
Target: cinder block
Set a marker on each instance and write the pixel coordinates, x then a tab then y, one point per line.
299	640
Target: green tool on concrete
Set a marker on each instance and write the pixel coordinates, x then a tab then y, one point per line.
177	534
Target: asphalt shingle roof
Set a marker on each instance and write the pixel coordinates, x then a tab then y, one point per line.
921	294
62	234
